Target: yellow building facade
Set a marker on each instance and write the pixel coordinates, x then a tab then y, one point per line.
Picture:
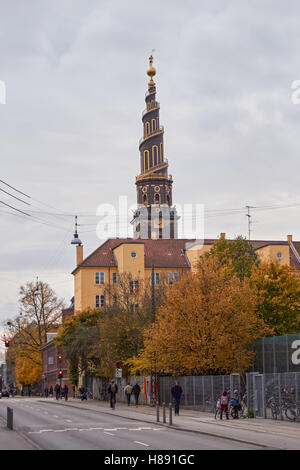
171	258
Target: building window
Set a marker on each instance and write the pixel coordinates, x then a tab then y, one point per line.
99	301
153	122
147	128
156	279
50	360
99	278
155	155
114	278
134	286
173	277
157	198
134	308
146	159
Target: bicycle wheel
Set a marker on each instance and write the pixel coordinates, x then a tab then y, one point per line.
291	413
274	410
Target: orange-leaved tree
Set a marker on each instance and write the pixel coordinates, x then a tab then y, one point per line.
206	325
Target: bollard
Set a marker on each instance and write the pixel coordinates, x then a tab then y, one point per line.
157	411
10	416
170	413
164	412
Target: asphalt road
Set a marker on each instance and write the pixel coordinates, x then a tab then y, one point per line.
55	427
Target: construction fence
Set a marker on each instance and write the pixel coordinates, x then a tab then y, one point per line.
275	395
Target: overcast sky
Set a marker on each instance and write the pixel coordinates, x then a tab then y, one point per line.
75	83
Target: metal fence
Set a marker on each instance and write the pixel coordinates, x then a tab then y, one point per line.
200	392
275	396
277	354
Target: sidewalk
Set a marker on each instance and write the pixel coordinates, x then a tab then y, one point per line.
263	432
12	440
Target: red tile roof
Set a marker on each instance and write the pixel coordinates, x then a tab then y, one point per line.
168	253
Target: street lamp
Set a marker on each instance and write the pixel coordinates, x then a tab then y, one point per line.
76	240
37	291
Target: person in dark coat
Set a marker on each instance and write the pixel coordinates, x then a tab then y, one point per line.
57	391
66	391
51	391
136	390
46	392
112	391
176	394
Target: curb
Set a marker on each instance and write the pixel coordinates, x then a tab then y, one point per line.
24	436
174	427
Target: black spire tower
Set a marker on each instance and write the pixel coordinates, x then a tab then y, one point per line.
155	216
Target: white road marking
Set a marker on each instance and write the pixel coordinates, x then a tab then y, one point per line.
108	433
142	443
69	420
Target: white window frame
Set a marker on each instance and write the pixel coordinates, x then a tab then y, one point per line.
99	277
134	285
99	301
173	276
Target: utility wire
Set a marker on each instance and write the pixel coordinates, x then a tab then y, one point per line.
15	197
15	208
1	181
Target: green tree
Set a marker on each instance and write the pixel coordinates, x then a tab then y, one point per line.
237	256
278	297
79	337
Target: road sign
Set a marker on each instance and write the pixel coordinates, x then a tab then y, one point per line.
118	373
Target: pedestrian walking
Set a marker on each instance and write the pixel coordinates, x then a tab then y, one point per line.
112	391
66	391
46	391
224	402
136	390
51	391
57	391
128	392
176	394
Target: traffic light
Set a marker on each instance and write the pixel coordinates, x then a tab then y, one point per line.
7	343
59	357
60	374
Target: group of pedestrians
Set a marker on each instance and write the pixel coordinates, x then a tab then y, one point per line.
135	390
60	392
225	402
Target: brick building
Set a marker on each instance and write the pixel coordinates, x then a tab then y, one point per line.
53	359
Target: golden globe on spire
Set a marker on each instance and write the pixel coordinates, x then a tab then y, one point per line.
151	71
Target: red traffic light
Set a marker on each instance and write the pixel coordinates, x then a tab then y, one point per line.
60	373
7	343
59	357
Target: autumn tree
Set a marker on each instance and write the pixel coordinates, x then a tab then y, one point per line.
278	297
205	326
41	313
124	320
79	337
237	256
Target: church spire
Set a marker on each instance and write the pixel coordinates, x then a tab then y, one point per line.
154	185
